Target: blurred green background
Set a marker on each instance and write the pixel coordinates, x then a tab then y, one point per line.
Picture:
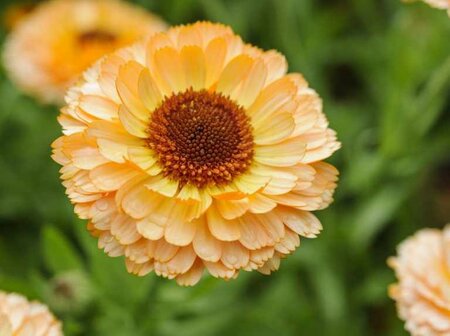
383	70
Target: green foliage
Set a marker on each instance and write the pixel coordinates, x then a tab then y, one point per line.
382	68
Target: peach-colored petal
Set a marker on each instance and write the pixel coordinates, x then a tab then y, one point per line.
191	277
232	209
113	141
206	246
111	176
234	255
222	229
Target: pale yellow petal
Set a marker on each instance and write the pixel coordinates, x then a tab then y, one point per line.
271	99
278	129
113	140
99	107
283	154
144	158
132	124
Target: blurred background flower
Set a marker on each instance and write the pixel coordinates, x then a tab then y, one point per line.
50	47
423	289
18	316
382	70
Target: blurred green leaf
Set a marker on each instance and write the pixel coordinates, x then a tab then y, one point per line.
59	255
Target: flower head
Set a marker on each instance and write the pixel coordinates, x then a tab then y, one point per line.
194	150
61	38
423	291
21	317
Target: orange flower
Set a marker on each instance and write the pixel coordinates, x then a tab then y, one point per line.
56	42
21	317
422	293
195	150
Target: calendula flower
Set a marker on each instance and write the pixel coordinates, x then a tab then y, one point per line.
61	38
18	316
195	150
422	292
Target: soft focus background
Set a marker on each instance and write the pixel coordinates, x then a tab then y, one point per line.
383	70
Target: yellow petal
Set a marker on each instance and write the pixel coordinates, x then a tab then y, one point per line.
188	36
193	61
148	91
162	185
143	157
252	84
169	71
249	182
222	229
233	74
127	87
215	57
